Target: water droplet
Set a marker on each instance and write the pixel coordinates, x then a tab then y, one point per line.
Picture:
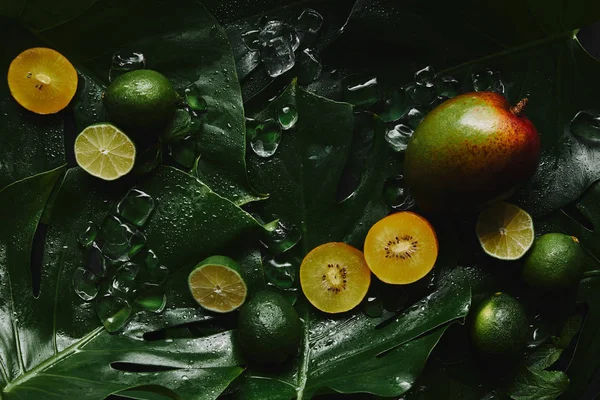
124	279
136	207
85	284
114	312
194	99
264	136
585	126
251	39
157	273
487	80
414	117
120	241
421	95
398	137
248	62
281	273
447	87
185	378
287	116
276	29
88	236
125	62
308	66
373	306
282	238
96	262
393	105
152	299
360	91
425	77
277	56
396	194
185	151
309	21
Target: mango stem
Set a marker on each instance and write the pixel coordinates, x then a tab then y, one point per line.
519	107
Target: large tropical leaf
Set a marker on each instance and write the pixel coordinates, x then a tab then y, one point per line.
49	337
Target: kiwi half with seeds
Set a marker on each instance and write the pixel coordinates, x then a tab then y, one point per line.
335	277
401	248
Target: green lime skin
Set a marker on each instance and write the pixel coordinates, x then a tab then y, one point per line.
269	329
500	325
141	100
555	261
469	150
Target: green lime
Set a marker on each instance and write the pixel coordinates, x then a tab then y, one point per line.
141	99
500	325
105	152
556	261
268	328
216	284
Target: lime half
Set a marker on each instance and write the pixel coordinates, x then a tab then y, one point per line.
217	285
505	231
104	151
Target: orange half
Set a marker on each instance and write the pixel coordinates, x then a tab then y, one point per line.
42	80
401	248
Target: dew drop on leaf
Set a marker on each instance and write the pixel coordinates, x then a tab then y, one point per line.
287	116
398	137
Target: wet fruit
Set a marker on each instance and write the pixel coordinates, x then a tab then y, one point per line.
500	325
142	99
105	152
505	231
217	285
401	248
335	277
469	150
269	329
556	261
42	80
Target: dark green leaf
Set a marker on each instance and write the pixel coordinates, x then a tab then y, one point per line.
303	176
570	329
21	207
584	363
533	384
544	357
355	353
189	213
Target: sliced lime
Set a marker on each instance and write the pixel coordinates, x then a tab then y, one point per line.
217	286
104	151
505	231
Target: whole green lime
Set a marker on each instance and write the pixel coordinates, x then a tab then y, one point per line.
556	261
141	99
500	325
268	328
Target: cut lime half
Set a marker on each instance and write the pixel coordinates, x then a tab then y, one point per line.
105	152
505	231
217	286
